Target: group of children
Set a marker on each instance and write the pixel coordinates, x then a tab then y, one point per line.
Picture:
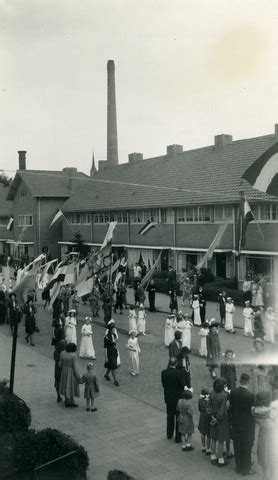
137	322
87	349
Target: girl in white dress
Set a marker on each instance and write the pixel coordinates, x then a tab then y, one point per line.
204	330
269	325
87	347
170	326
186	333
230	308
141	321
133	351
70	327
132	319
248	315
196	311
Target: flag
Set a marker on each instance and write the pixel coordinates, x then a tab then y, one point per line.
245	216
85	287
10	224
215	242
109	234
57	215
47	273
149	275
28	278
148	225
18	241
263	173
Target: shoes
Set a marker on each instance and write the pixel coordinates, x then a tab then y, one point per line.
177	441
208	452
169	438
74	405
32	344
250	472
183	448
27	339
214	461
132	373
189	448
116	384
87	409
231	455
107	378
93	409
59	399
121	312
203	450
224	464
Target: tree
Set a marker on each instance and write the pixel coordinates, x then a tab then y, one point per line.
4	179
79	245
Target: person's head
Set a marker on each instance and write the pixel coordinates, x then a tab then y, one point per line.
218	385
185	351
178	335
263	399
88	320
247	303
200	288
172	362
111	324
30	301
223	293
258	345
12	296
187	395
131	307
90	366
205	391
183	270
229	300
141	309
206	324
179	317
152	282
71	348
244	379
132	334
195	297
170	268
213	327
72	313
229	355
118	475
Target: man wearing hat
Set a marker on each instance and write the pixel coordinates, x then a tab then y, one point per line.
248	315
176	345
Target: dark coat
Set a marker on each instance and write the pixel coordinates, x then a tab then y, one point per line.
213	348
228	371
172	383
241	402
175	348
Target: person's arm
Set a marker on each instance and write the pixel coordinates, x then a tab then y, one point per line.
97	386
222	408
77	375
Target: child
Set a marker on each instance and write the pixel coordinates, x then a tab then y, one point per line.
132	319
170	325
248	314
141	321
228	369
204	421
258	325
230	309
87	347
75	301
204	331
186	333
91	387
196	311
70	327
186	424
213	348
221	305
133	350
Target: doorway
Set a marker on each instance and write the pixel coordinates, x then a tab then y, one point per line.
220	259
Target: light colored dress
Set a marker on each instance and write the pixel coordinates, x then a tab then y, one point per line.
141	322
269	327
196	312
248	315
70	330
229	326
169	331
132	321
203	334
259	301
186	334
87	347
133	351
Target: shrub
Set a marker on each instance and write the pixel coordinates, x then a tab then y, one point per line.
213	289
14	413
32	449
206	276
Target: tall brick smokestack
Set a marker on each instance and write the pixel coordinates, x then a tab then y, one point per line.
112	137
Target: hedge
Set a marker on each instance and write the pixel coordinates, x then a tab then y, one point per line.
212	291
34	448
15	415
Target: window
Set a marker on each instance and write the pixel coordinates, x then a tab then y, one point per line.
204	214
189	214
265	212
25	220
124	217
4	221
23	192
163	215
198	214
136	216
75	219
222	213
86	218
180	215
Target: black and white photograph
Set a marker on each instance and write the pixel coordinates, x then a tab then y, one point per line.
138	239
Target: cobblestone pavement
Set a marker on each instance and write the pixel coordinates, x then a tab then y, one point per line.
128	431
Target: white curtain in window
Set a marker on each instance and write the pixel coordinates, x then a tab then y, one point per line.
133	256
147	257
242	268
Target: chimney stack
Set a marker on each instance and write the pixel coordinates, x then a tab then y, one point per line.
22	159
112	137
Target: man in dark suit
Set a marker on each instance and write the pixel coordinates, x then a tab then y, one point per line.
241	402
176	345
173	385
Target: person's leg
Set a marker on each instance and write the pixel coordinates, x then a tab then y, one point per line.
246	448
183	439
203	441
170	420
237	449
177	433
88	404
189	436
208	442
116	383
213	457
106	376
220	456
31	339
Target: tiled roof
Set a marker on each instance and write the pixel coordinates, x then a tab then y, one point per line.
5	205
47	183
205	175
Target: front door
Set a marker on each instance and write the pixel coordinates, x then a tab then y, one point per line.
220	264
165	260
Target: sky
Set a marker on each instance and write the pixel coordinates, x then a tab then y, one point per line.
186	70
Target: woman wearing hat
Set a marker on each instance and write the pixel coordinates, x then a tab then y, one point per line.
248	315
13	311
133	350
70	327
112	358
230	309
213	349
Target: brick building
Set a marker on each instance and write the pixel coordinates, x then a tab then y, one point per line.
35	196
189	194
6	208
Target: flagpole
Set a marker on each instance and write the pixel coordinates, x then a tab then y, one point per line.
68	223
257	225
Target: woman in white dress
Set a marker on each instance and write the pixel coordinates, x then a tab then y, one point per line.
170	326
186	333
70	327
269	325
132	319
230	308
203	332
196	311
259	300
133	351
141	321
87	347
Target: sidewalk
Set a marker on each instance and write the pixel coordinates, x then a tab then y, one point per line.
125	433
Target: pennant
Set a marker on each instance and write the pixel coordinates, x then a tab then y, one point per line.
263	173
85	287
19	239
245	217
215	242
150	273
28	278
57	216
10	224
109	234
45	274
147	227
